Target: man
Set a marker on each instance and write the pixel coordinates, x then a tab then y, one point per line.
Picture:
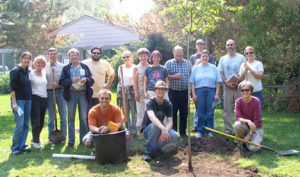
179	70
100	69
100	115
155	131
229	66
53	86
200	46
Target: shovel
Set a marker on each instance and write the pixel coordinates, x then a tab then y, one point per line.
281	153
124	104
56	136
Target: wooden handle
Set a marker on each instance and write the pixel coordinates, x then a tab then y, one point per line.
231	136
123	97
54	98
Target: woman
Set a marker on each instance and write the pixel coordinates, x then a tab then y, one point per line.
77	80
248	119
128	68
138	84
154	73
39	98
20	87
253	71
205	80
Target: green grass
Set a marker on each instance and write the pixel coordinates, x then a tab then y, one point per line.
281	132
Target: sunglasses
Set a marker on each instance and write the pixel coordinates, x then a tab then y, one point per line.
126	57
96	53
245	90
249	53
104	98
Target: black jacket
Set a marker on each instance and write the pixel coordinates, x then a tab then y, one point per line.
65	80
20	83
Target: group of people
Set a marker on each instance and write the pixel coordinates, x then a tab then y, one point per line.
154	95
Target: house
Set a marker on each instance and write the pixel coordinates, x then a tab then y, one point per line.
87	32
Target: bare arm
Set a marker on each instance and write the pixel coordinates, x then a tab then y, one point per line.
135	84
193	92
165	136
145	87
110	81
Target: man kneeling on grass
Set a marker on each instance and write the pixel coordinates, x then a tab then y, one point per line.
160	136
100	115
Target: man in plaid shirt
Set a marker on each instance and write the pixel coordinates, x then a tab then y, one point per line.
179	70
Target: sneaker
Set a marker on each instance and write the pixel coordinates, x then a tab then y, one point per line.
36	145
210	135
199	135
147	157
26	149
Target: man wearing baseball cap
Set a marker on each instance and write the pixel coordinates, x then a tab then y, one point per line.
156	130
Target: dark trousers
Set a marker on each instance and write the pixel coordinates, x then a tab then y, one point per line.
38	111
179	100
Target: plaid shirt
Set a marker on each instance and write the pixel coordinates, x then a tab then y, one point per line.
184	67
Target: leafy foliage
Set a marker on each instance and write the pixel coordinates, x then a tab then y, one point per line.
4	83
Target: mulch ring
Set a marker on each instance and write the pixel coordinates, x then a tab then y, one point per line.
210	157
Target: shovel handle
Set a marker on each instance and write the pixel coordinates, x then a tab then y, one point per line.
54	98
231	136
123	98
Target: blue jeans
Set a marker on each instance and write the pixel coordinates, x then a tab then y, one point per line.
80	98
62	109
152	134
130	108
22	128
205	111
259	95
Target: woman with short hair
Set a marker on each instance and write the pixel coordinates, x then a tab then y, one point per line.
39	98
20	91
248	117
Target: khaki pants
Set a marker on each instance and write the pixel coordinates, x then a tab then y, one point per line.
140	108
242	130
230	95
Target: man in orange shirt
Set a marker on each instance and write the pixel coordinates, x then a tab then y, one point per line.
100	115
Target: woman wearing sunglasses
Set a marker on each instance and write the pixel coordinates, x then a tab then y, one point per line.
253	71
248	118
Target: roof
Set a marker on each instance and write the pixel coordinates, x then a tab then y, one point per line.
88	31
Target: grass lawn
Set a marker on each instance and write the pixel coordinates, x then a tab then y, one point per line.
281	132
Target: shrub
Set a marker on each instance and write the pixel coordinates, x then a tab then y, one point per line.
4	83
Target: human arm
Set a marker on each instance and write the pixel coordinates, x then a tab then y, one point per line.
135	84
111	77
165	136
238	115
145	87
13	85
257	74
65	79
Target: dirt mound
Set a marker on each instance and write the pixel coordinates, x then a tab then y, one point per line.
210	157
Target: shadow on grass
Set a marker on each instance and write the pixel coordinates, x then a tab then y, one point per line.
165	164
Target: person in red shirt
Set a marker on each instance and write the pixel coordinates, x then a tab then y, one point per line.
100	115
248	116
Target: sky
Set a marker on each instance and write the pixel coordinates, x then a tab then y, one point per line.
134	8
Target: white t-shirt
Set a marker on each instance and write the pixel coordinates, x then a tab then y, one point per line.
127	74
231	65
38	84
258	67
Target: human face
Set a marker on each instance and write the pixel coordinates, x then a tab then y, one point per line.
200	47
127	58
96	54
143	58
156	60
25	61
160	92
52	55
246	92
74	57
230	46
204	59
104	99
39	65
249	53
178	53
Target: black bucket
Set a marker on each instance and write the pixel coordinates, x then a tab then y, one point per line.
111	147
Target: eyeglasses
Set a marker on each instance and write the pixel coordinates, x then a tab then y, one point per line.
249	53
245	90
230	44
96	53
126	57
104	98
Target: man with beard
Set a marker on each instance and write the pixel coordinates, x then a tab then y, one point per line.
101	70
229	66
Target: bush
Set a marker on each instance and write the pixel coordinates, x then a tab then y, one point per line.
4	84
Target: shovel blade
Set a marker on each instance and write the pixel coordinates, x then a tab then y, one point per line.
288	152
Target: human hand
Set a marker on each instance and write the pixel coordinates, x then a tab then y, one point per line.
217	97
100	128
106	86
247	67
137	97
15	106
54	85
75	79
146	95
83	81
251	125
178	76
165	136
194	98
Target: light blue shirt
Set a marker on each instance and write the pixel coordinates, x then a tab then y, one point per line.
231	65
205	76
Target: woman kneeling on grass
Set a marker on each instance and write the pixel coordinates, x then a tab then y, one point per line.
248	119
20	87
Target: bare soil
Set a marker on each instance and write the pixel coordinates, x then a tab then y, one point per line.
210	157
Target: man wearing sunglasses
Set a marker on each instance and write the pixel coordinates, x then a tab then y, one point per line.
101	70
100	115
229	67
